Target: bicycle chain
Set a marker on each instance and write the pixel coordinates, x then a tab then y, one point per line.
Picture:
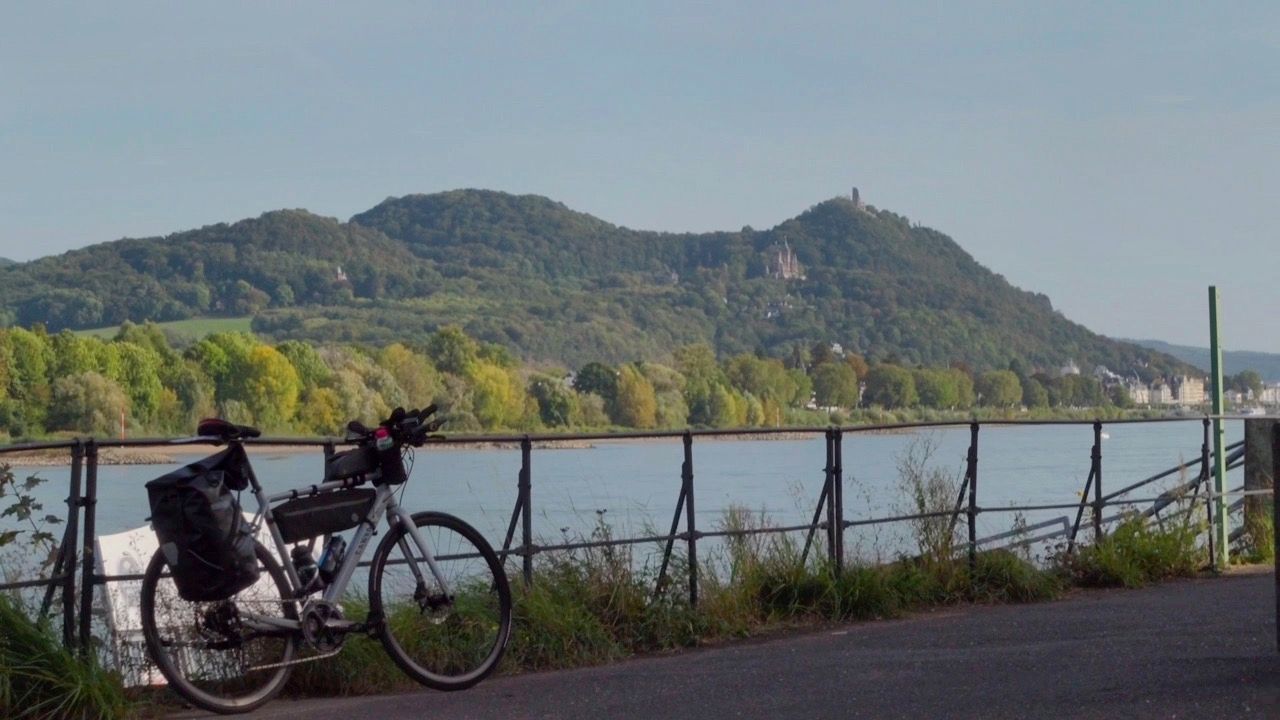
313	658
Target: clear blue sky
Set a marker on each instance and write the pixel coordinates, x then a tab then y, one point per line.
1119	157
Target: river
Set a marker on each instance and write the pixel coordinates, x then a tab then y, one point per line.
634	485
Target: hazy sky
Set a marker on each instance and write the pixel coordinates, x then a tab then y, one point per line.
1118	157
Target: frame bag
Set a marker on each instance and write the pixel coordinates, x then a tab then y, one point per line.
203	535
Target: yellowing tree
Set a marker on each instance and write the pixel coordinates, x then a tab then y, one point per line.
637	406
413	372
271	386
499	397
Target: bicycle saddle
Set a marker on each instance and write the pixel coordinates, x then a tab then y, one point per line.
219	428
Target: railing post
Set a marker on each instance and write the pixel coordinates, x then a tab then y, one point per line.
686	477
837	486
1208	496
1097	480
526	499
972	472
69	541
89	556
830	471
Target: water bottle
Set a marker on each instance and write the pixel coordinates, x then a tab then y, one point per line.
331	559
305	564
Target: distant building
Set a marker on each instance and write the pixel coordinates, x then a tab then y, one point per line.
1188	391
857	200
1069	369
340	276
1270	395
1139	393
1161	394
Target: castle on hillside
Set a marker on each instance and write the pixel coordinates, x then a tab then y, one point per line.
783	263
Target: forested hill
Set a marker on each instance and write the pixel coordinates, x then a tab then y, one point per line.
1267	365
555	284
5	261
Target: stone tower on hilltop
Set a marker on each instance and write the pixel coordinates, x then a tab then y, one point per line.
857	200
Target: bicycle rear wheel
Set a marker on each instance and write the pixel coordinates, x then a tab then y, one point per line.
446	641
223	656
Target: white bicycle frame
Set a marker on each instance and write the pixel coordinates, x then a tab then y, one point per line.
384	504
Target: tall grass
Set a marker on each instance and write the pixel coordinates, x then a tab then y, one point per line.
41	679
1137	553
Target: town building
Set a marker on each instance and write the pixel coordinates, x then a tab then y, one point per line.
1188	391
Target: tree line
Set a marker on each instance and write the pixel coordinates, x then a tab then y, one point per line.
139	382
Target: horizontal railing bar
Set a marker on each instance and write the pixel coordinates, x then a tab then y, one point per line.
899	518
23	584
1019	508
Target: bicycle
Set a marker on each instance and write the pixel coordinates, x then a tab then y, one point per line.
438	597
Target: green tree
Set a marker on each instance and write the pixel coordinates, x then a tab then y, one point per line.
1119	396
312	370
87	402
936	388
1000	388
140	378
890	386
835	385
598	378
1034	394
29	380
452	350
1246	381
555	401
71	354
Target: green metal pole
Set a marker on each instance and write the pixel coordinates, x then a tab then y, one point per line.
1220	529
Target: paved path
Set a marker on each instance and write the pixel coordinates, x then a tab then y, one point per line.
1193	649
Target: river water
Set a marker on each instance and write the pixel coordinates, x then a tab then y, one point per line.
633	485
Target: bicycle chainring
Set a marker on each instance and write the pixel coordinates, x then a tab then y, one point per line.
318	620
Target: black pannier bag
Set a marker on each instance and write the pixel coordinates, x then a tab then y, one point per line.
307	517
203	535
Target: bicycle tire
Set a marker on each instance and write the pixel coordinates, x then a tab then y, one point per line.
220	695
457	642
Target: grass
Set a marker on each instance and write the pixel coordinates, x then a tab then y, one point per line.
1136	554
41	679
192	328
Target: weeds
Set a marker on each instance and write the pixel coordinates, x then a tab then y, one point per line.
41	679
1136	554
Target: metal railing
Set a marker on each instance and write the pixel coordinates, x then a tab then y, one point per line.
75	555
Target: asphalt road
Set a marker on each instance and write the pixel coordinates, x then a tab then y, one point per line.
1192	649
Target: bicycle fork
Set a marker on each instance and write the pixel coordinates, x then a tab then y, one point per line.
406	519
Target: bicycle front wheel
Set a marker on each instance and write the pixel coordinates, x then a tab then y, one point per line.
229	656
451	637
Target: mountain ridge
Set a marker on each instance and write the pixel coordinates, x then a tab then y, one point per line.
560	285
1267	365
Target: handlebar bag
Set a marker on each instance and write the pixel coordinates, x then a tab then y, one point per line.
203	536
